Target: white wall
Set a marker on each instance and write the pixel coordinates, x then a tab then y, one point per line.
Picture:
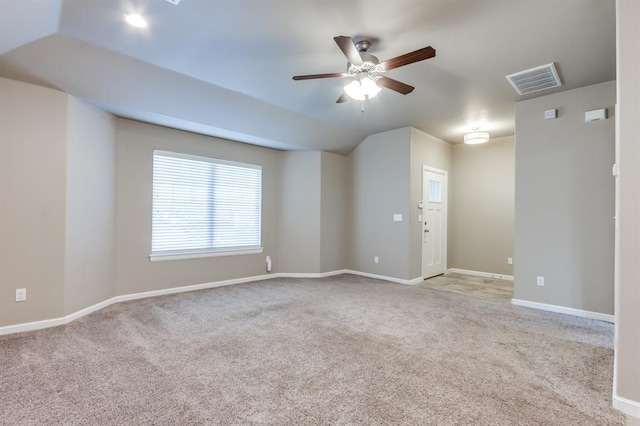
91	206
482	193
564	205
627	354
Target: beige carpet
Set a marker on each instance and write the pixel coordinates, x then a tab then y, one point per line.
343	350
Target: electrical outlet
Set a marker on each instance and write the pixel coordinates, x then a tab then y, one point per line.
540	281
375	259
21	294
509	260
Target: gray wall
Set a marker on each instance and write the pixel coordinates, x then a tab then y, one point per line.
90	209
33	122
134	272
334	199
313	213
380	188
386	179
627	354
300	212
481	237
426	150
564	204
57	187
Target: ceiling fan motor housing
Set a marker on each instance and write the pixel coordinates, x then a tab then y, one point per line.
369	65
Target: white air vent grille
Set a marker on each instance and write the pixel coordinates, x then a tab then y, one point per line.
535	79
174	2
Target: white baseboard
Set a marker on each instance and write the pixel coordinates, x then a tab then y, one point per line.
194	287
627	406
53	322
565	310
310	274
481	274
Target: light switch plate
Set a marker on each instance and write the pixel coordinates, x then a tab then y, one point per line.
397	217
21	294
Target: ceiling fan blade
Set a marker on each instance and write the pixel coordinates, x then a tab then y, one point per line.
395	85
312	76
343	98
349	49
409	58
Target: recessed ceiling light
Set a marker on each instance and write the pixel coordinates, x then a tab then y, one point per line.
135	20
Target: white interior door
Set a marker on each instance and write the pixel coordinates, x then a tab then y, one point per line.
434	222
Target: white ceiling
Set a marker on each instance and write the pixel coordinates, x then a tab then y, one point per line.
224	67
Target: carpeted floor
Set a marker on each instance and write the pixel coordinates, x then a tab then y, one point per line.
343	350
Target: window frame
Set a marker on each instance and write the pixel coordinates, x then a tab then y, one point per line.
183	254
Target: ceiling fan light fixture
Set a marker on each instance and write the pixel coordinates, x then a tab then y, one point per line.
362	89
475	138
135	20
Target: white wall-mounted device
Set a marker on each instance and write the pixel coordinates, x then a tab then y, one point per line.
550	114
268	263
595	115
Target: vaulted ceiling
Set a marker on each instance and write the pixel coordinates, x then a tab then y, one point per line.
224	67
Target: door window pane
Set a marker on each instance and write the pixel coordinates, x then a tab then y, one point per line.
435	192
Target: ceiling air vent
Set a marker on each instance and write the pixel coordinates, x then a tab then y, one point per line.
535	79
174	2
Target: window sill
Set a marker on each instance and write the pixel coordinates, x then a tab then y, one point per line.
202	255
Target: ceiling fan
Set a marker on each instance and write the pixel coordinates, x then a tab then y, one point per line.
366	70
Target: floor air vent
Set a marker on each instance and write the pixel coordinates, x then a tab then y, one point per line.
535	79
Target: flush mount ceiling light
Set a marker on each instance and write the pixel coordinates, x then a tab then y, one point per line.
135	20
475	138
362	89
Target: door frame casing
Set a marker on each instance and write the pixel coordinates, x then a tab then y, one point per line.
445	236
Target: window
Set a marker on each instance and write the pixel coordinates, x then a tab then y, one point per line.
435	193
204	207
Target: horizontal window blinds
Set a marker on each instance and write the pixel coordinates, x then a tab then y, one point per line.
202	204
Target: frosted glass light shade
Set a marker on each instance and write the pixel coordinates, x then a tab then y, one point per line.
135	20
475	138
362	89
